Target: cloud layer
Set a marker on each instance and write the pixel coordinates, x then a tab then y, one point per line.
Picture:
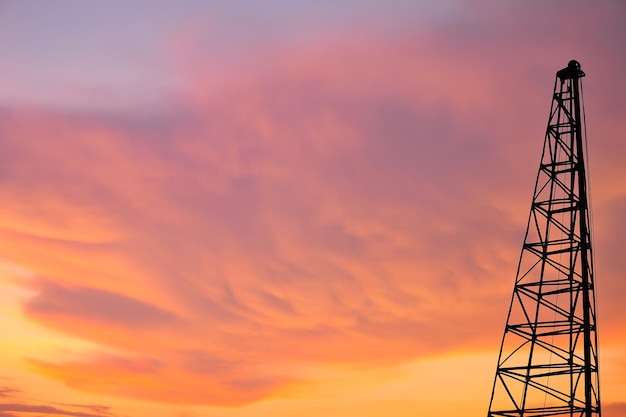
351	202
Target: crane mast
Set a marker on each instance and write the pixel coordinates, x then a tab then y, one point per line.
548	361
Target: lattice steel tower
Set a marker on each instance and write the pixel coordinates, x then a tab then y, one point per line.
548	363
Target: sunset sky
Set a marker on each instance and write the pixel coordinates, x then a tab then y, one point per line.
286	208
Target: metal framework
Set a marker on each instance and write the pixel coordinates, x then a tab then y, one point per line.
548	362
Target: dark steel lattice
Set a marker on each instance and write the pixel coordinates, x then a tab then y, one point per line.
548	363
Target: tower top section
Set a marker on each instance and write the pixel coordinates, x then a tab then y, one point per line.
572	71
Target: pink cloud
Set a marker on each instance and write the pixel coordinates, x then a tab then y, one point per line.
94	305
13	401
45	410
360	202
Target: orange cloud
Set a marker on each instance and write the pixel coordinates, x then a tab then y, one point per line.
199	381
355	204
614	409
